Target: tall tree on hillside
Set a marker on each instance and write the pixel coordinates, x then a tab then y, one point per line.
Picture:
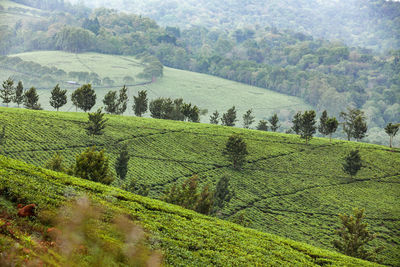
84	97
274	121
296	121
31	99
248	119
214	117
236	151
122	102
96	123
7	92
222	193
262	125
354	236
322	128
331	127
140	103
58	97
352	163
391	130
327	125
93	165
121	165
360	128
307	126
187	196
229	118
110	102
349	119
19	94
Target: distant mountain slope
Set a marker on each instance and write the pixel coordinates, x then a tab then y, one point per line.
205	91
372	24
185	237
285	188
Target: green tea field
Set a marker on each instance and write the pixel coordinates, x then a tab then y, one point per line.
184	237
285	188
207	92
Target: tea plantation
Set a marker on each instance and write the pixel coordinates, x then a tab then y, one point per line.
185	237
285	188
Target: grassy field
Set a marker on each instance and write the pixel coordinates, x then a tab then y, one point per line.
10	17
184	237
285	188
208	92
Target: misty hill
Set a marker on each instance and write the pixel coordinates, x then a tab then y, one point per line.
285	187
371	24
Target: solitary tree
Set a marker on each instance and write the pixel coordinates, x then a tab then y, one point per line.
122	102
140	103
349	119
121	165
58	97
110	102
84	97
352	163
327	125
391	130
229	118
307	126
31	99
214	117
322	123
55	163
248	119
8	91
360	128
331	127
96	123
262	125
354	236
19	94
236	151
222	193
93	165
297	122
187	196
274	121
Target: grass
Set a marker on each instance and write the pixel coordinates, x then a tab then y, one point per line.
286	187
10	17
208	92
185	237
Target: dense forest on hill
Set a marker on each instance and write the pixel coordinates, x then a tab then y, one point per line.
374	24
327	75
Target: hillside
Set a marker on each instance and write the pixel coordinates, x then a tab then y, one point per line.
185	237
205	91
327	75
286	187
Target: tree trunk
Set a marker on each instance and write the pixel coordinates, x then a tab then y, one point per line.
330	138
390	142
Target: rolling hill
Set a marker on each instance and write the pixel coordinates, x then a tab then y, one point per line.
185	237
285	188
206	91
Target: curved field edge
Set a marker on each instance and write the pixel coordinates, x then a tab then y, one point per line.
187	238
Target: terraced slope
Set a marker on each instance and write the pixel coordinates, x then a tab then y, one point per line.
205	91
286	187
186	238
